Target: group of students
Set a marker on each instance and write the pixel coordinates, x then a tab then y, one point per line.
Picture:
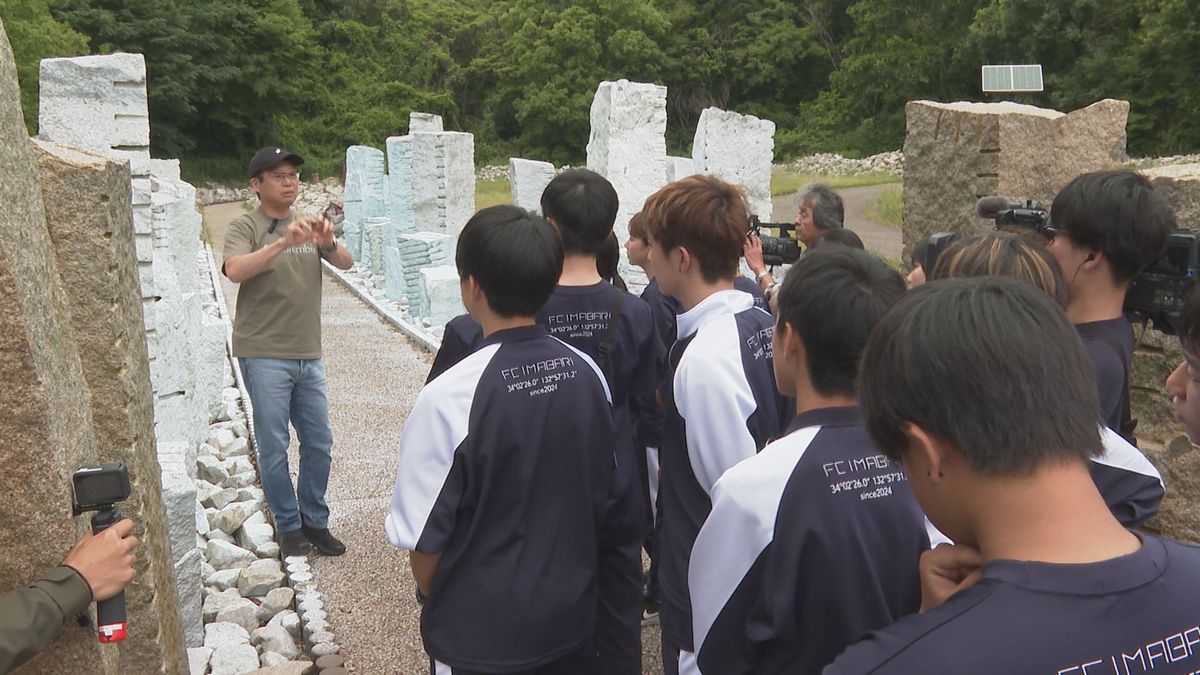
808	459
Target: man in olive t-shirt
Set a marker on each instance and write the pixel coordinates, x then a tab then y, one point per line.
276	257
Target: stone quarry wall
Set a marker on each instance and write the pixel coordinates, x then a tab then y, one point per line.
126	230
46	431
90	221
955	153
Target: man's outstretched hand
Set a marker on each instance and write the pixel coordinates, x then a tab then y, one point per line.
105	560
947	570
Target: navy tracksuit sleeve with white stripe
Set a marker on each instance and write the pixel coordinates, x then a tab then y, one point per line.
722	407
505	464
810	545
1131	486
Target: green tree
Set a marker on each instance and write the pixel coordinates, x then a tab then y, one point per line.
35	35
553	57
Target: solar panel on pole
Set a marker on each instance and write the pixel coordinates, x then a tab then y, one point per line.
1012	78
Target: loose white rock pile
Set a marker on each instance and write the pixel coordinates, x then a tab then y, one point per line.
833	164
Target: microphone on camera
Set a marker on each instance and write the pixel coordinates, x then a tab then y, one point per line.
990	207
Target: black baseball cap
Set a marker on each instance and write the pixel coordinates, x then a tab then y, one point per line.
270	157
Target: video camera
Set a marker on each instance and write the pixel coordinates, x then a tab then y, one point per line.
1157	293
781	250
1027	214
99	488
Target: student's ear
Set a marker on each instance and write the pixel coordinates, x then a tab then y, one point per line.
1093	260
550	220
685	259
928	453
789	340
471	292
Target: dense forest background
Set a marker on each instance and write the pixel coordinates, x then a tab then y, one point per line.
227	76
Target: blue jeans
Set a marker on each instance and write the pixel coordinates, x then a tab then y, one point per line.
282	390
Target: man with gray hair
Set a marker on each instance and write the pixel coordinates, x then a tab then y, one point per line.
821	209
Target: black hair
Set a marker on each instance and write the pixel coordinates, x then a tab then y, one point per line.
607	260
515	256
1118	213
839	235
1188	326
832	297
991	365
828	211
583	204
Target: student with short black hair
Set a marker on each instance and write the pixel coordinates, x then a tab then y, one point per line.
505	465
956	382
615	328
1108	226
816	505
721	404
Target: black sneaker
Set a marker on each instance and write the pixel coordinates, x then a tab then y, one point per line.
293	543
325	543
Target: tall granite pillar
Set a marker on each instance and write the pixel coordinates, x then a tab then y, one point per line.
628	144
738	149
46	429
90	220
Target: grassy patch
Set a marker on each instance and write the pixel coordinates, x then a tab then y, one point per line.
787	183
492	192
888	208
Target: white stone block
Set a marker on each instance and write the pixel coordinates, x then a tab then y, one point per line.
738	149
259	577
234	660
179	499
275	639
421	121
96	103
680	167
393	272
443	170
627	144
400	186
441	295
528	179
366	184
198	658
190	589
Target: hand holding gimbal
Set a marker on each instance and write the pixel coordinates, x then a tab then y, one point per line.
104	560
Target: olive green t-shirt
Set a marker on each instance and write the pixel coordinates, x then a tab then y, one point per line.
279	310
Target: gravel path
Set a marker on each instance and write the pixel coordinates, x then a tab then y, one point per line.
374	374
881	239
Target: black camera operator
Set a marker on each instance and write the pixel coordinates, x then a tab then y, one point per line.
821	209
1105	228
98	568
